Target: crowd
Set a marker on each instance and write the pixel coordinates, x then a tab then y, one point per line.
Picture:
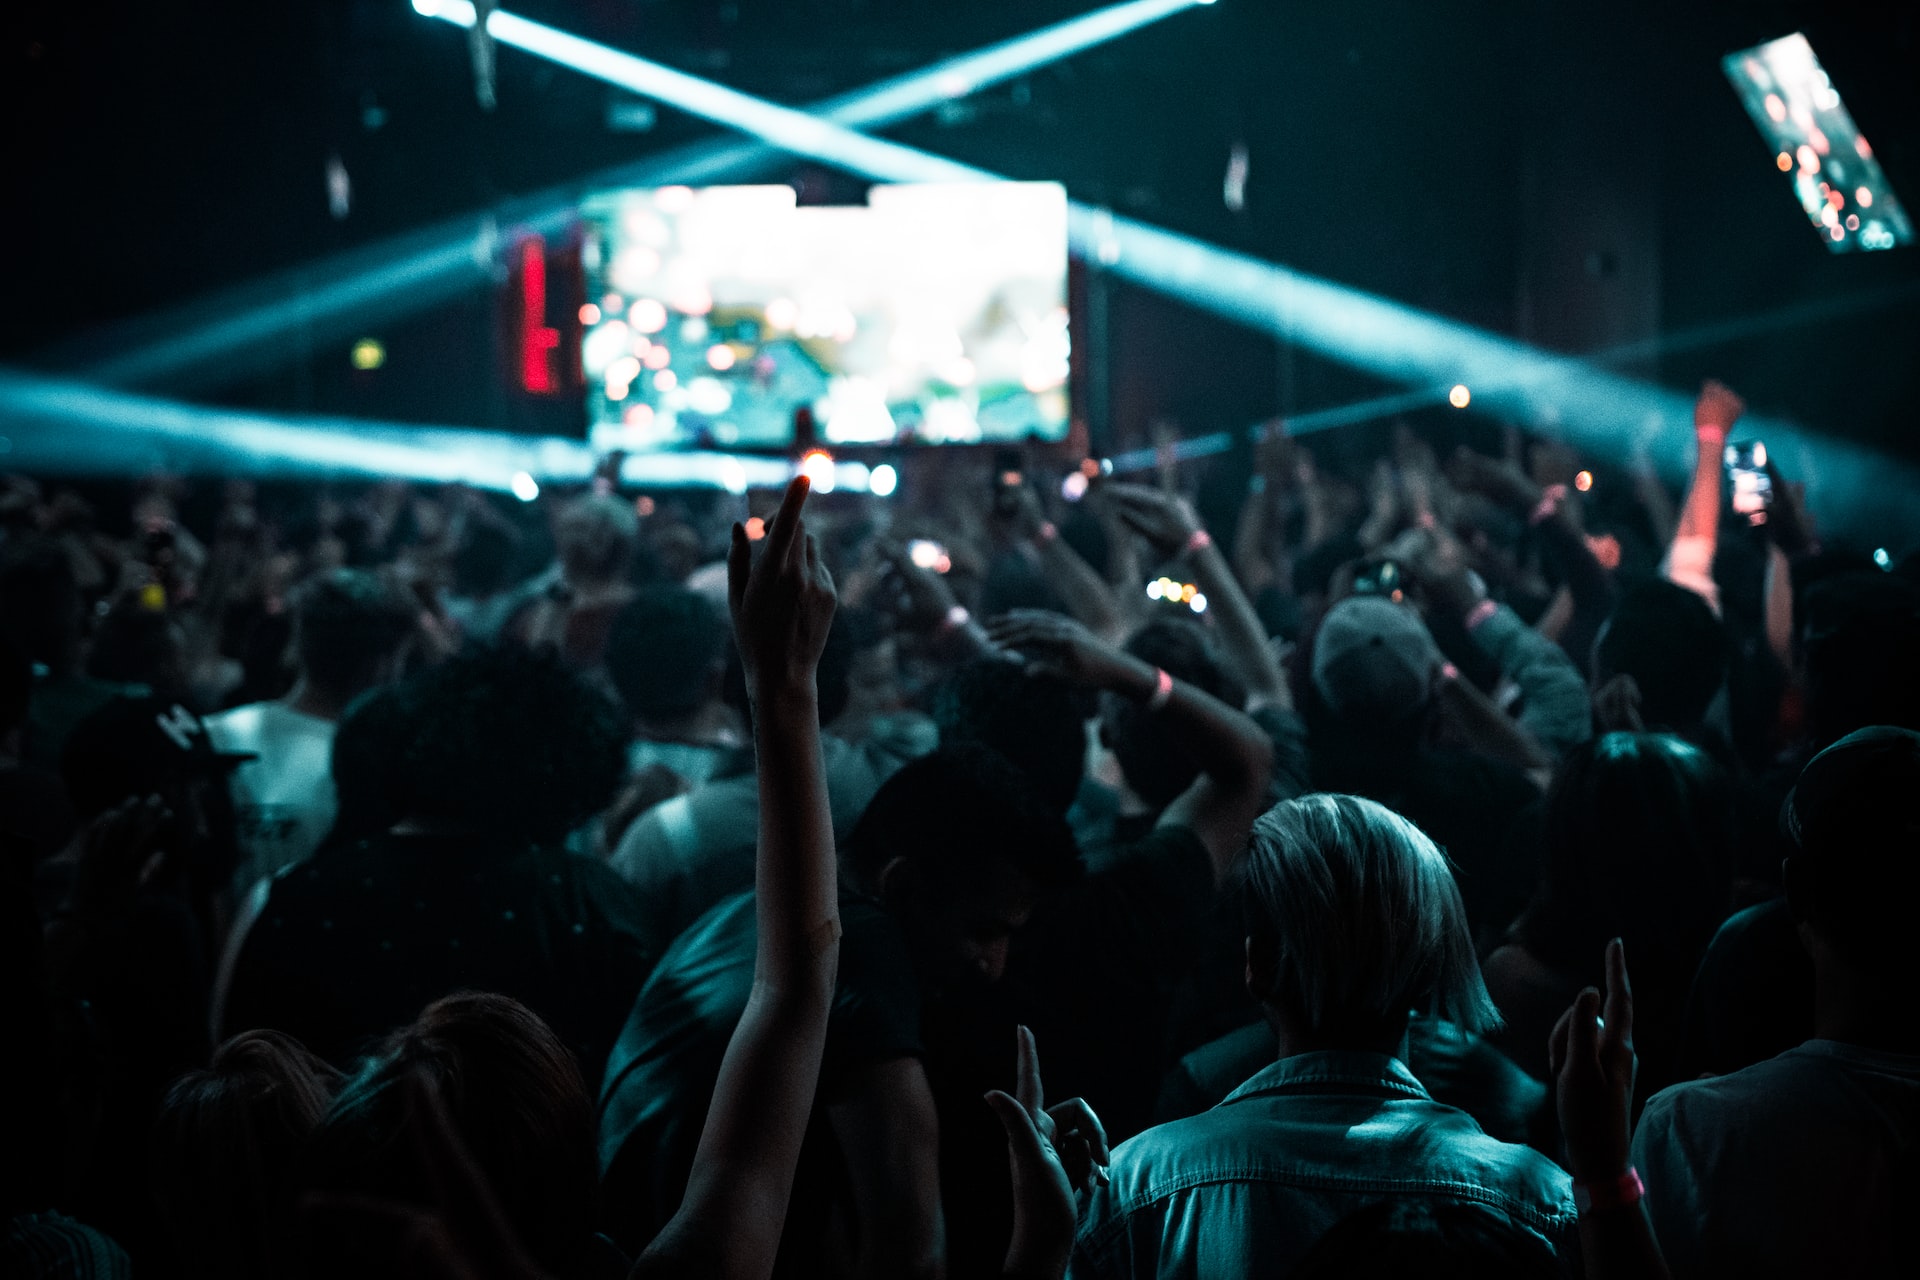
405	880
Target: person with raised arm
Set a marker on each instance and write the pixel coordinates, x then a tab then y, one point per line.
730	1222
1689	560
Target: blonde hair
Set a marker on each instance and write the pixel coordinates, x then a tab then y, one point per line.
1362	912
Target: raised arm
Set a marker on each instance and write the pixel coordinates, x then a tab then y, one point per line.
1085	593
731	1220
1689	561
1234	754
1171	525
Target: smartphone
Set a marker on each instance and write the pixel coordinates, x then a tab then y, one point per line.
1749	485
1382	578
1085	478
928	554
1009	474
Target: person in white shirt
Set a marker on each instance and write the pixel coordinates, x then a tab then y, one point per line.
349	628
1805	1164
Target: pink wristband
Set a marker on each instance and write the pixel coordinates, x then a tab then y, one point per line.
1162	689
1046	533
1198	540
1614	1193
1550	501
957	617
1480	613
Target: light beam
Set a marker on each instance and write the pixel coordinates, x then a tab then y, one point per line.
255	326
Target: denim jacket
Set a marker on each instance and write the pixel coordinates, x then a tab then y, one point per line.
1247	1188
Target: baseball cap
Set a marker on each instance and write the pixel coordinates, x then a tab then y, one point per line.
1374	657
1862	786
134	746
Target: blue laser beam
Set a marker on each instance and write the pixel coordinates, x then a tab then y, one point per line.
255	326
1593	408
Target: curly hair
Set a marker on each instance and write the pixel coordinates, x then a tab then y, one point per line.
512	743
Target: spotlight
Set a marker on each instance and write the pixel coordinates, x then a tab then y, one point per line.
817	467
883	481
1460	397
368	354
525	487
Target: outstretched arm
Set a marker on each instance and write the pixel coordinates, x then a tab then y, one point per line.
1689	561
730	1222
1234	754
1170	524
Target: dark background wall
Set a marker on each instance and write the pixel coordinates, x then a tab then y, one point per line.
1576	175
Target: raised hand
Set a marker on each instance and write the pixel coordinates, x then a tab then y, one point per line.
1502	480
783	602
1590	1055
1717	409
1166	520
925	599
1054	644
1052	1152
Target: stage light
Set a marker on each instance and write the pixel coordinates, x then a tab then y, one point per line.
368	354
1583	481
248	328
817	466
525	487
1881	558
882	481
1460	397
589	313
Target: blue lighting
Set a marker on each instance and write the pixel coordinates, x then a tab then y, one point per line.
247	328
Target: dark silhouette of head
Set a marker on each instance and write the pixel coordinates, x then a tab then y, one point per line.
1668	640
348	626
511	744
1156	767
667	652
226	1150
1035	722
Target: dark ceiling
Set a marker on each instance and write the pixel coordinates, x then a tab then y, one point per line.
1452	156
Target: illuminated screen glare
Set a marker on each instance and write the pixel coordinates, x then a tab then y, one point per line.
1834	175
932	314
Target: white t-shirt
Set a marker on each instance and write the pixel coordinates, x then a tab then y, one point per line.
284	799
1802	1165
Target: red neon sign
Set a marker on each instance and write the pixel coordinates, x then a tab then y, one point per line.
538	340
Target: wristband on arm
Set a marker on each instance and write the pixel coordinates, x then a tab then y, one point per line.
1162	690
1611	1193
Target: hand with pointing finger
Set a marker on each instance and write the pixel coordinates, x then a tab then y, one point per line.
782	601
1054	1152
1591	1058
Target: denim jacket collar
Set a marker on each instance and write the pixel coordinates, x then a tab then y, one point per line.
1341	1070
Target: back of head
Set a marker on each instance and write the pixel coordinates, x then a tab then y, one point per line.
1358	911
226	1146
511	743
1668	640
596	537
483	558
1036	722
1855	870
1430	1240
1155	766
348	625
1861	633
1373	666
515	1099
666	652
1639	845
954	812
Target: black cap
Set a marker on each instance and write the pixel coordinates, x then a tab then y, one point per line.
1865	785
134	747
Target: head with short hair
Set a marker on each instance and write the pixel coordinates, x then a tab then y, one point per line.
959	845
511	743
666	653
1036	722
1669	641
226	1147
1639	845
1156	767
348	626
483	556
1353	921
514	1096
596	537
1855	870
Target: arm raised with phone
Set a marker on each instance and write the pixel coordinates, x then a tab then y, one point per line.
730	1222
